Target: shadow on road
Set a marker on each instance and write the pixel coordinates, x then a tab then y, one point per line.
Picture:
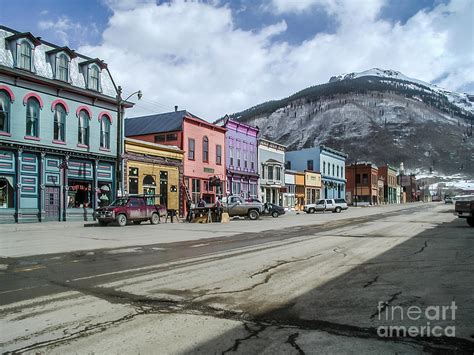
432	268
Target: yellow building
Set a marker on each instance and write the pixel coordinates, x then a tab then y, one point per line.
312	186
299	190
154	169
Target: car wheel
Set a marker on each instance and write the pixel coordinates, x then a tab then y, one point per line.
155	219
338	209
312	210
275	214
137	222
122	220
253	215
103	223
470	221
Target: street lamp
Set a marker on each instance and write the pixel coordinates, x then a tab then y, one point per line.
120	137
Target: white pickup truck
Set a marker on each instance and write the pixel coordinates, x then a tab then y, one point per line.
333	205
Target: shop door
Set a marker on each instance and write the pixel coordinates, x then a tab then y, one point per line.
51	203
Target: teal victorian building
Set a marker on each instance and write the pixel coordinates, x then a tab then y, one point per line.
58	131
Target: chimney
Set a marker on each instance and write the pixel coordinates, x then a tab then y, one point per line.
176	108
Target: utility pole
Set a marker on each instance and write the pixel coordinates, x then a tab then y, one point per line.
120	138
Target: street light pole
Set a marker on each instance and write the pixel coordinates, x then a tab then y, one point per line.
120	138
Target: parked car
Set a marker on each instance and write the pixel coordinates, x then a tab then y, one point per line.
448	200
237	206
134	209
325	205
272	210
341	203
464	208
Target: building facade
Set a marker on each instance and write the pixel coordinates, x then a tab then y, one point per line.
204	173
241	159
362	184
312	186
289	196
408	187
154	169
58	129
271	159
329	162
389	175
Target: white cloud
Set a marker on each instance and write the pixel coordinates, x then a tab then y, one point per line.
64	29
191	53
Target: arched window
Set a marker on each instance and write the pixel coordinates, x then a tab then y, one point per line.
105	132
205	149
83	128
32	117
63	68
4	111
25	56
94	78
60	123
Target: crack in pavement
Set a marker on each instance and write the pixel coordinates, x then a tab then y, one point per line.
282	262
292	341
277	319
337	250
371	281
393	297
253	333
422	248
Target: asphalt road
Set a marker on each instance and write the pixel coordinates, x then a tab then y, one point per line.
324	288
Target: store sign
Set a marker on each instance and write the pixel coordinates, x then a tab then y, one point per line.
209	170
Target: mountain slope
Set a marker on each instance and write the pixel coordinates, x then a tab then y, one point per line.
377	115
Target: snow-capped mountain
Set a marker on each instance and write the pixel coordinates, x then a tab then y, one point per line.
460	100
377	115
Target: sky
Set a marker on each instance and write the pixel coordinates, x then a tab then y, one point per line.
216	57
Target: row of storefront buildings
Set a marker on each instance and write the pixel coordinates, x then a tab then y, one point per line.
65	148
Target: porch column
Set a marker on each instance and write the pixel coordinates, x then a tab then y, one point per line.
41	185
18	184
95	186
65	167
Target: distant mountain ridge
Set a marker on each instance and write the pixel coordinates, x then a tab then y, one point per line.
377	115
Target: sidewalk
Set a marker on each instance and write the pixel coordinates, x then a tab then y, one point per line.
61	237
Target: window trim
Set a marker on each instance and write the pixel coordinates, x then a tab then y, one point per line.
103	146
59	139
8	110
82	144
89	77
218	156
59	56
193	150
37	121
205	149
20	54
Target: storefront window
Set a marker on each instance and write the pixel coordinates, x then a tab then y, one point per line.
105	194
6	192
133	180
79	194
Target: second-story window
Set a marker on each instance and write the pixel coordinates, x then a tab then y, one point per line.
60	123
205	149
337	171
309	165
105	132
83	128
25	56
231	155
4	111
94	78
278	173
270	172
218	154
63	68
332	169
191	148
324	167
32	117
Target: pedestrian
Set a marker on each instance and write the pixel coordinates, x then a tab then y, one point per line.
202	203
218	206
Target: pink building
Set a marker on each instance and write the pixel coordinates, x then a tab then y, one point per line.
203	142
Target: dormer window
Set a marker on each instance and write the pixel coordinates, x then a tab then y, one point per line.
94	78
91	69
63	67
24	57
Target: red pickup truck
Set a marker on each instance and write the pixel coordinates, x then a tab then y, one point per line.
134	209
